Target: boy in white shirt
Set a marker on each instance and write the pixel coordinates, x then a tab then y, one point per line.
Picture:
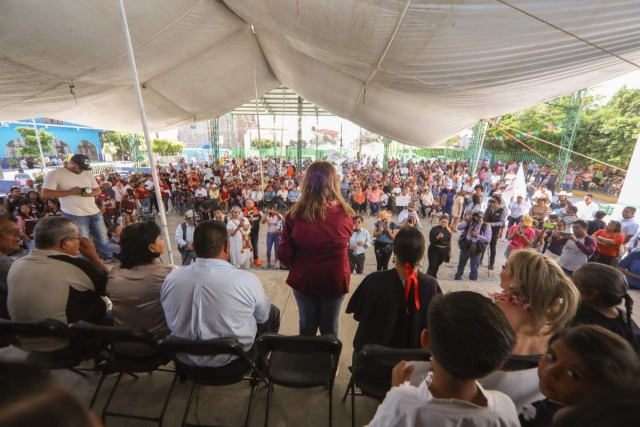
469	337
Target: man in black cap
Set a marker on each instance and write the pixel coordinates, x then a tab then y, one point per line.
76	188
495	217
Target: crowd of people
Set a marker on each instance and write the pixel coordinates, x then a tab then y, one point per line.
565	276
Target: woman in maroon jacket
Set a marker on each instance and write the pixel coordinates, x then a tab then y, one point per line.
314	247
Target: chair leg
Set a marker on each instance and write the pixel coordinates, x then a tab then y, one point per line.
254	388
346	392
166	402
331	405
113	391
186	412
77	372
269	391
353	405
95	394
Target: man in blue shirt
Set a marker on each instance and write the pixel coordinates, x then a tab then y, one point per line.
212	299
630	267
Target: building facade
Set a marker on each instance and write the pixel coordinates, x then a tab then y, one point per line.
69	138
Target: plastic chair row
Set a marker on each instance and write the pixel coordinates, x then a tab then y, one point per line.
288	361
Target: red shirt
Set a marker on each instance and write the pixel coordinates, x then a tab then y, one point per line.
609	250
316	254
142	193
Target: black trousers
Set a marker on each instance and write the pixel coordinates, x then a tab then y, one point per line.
383	255
511	221
254	242
357	263
154	201
436	257
607	259
492	245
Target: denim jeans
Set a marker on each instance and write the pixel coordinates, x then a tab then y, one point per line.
323	313
568	186
145	204
462	263
273	240
375	208
94	224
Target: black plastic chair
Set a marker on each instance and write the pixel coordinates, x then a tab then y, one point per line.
211	376
66	358
117	362
521	363
372	371
300	362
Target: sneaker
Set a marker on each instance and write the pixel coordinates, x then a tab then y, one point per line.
267	266
277	265
257	262
111	261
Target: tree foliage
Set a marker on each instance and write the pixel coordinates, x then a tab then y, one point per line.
116	141
266	144
28	134
606	132
167	147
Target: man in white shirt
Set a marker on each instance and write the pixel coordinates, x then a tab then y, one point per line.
212	299
517	209
77	189
150	186
629	225
184	238
587	208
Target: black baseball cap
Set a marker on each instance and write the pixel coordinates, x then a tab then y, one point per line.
83	161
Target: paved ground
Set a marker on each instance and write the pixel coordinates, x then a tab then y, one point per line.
290	407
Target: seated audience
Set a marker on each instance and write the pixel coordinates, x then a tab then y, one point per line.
537	298
578	362
134	286
10	242
391	305
603	289
469	337
52	283
213	299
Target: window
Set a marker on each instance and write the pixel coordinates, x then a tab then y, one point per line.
88	149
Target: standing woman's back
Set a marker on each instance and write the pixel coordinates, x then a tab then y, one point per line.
314	247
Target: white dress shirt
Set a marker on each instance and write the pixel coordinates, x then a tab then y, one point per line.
213	299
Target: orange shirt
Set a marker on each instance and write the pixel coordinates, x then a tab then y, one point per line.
359	197
609	250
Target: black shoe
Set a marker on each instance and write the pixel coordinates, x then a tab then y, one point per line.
490	266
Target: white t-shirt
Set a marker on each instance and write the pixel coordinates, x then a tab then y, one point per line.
411	406
149	185
63	180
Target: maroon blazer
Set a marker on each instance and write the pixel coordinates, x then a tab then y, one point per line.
316	254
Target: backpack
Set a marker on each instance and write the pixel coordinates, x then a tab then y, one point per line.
475	248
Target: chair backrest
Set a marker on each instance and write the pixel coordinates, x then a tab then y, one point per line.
46	328
90	332
521	363
298	344
386	356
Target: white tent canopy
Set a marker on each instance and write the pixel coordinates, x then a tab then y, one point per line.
417	71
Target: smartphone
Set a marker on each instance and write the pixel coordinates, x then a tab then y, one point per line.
549	225
565	234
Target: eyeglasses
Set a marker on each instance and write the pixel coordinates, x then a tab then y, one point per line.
70	238
357	222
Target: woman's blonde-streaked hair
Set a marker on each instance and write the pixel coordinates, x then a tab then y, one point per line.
552	296
321	185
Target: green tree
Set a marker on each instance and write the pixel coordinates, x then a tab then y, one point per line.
117	141
28	134
167	147
267	144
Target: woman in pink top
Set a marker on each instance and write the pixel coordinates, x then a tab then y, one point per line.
374	199
520	236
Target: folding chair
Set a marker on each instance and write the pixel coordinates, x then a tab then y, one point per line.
372	372
66	358
300	362
211	376
117	362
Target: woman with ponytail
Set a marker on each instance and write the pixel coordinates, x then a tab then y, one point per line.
603	289
391	305
134	286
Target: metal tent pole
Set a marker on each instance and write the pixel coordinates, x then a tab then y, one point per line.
44	166
255	87
145	127
299	150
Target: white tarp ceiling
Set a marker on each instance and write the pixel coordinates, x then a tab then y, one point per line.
430	68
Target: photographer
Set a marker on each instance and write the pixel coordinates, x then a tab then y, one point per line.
495	216
184	238
475	236
384	232
76	188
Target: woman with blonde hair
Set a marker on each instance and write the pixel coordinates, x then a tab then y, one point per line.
313	245
537	298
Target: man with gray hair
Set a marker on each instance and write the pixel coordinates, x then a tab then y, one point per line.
52	283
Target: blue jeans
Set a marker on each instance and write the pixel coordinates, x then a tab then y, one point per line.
568	186
145	204
462	263
375	209
95	224
273	240
323	313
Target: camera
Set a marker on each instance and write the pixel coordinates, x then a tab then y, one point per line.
87	190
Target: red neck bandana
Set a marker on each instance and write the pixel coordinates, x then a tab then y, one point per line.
412	279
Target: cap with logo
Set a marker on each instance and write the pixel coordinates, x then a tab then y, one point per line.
83	161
